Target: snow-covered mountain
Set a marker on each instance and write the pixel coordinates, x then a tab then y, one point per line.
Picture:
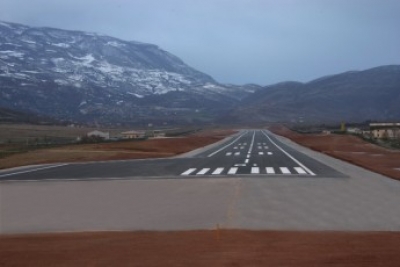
84	76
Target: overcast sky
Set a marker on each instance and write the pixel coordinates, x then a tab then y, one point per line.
238	41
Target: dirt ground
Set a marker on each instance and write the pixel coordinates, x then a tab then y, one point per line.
151	148
203	248
349	148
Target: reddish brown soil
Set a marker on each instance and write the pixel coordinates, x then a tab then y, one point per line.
349	148
152	148
203	248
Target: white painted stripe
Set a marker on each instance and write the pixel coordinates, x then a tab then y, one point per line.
219	150
189	171
33	170
237	153
300	170
255	170
252	143
246	161
290	156
270	153
265	147
235	147
285	170
260	153
270	170
218	171
240	165
242	147
229	153
259	147
203	171
233	170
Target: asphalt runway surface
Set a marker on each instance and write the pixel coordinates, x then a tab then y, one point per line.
252	180
251	153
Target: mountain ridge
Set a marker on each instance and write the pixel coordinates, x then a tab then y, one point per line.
76	75
85	77
371	94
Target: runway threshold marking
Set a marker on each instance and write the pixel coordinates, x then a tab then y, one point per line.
203	171
270	170
300	170
233	170
218	171
189	171
290	156
255	170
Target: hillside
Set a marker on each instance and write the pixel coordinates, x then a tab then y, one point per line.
372	94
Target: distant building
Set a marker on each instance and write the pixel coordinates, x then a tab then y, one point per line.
100	134
353	130
385	130
133	134
158	133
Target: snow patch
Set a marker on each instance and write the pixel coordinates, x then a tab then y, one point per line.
86	60
31	71
61	82
63	45
29	41
12	53
83	103
115	44
137	95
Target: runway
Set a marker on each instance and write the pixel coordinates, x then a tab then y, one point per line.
250	153
252	180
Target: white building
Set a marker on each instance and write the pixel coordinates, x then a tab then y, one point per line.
385	130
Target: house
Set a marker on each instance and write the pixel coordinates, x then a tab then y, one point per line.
385	130
132	134
100	134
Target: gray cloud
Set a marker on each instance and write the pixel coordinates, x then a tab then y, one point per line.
238	41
